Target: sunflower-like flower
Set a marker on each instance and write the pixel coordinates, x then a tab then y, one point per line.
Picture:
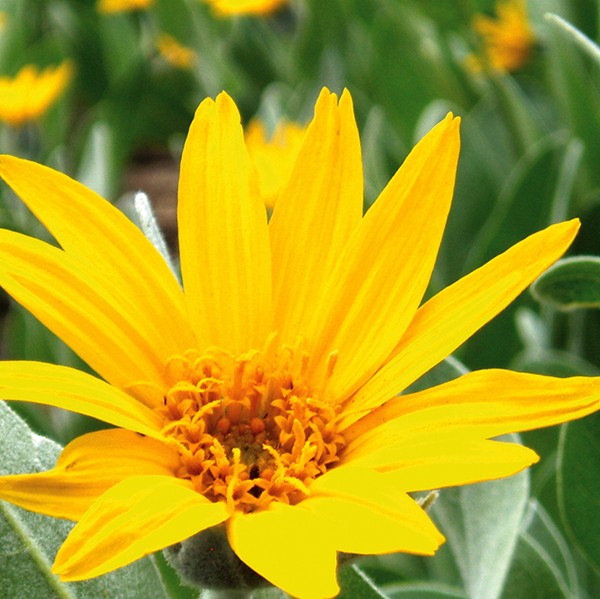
29	94
175	53
273	156
245	7
261	399
507	40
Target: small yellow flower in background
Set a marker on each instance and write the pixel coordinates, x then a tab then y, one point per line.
273	158
114	6
263	395
29	94
245	7
175	53
507	40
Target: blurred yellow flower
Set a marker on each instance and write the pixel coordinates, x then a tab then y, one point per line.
273	158
507	40
263	395
29	94
114	6
175	53
245	7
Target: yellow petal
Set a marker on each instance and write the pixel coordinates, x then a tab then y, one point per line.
287	546
273	155
29	94
478	405
363	513
136	517
76	391
86	468
242	7
453	315
112	334
115	6
315	213
94	232
385	268
223	235
447	463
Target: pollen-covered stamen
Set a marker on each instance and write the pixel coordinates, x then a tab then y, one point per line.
248	429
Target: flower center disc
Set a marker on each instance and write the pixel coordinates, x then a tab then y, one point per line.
248	429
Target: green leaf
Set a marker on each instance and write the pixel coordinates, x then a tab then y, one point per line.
568	174
355	584
582	40
524	204
263	593
482	523
377	141
176	589
578	484
266	593
533	575
570	283
553	362
423	590
29	541
519	110
96	168
532	329
543	531
569	76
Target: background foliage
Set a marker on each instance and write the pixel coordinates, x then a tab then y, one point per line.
530	157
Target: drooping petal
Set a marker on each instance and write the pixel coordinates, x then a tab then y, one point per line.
478	405
448	319
94	232
384	270
287	546
315	213
107	329
134	518
434	465
223	235
86	468
363	513
76	391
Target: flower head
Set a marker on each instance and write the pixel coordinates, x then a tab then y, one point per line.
263	395
174	53
245	7
273	157
29	94
115	6
507	40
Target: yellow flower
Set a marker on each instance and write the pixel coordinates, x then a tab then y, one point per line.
114	6
175	53
245	7
263	395
29	94
507	40
273	158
